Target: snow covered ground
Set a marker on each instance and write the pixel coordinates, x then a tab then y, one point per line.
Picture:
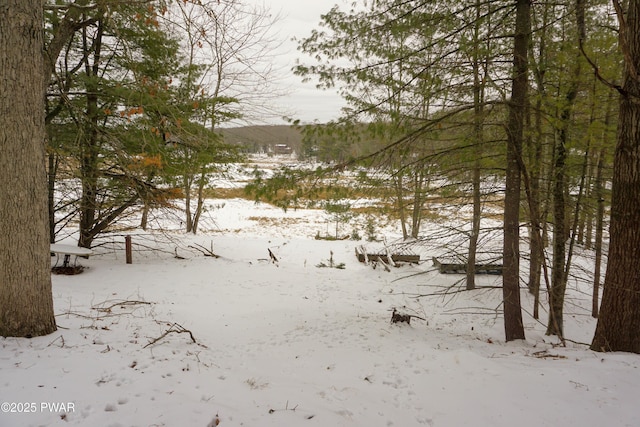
242	341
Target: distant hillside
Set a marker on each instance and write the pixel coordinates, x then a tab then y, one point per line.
263	138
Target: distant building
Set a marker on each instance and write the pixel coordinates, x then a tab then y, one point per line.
282	149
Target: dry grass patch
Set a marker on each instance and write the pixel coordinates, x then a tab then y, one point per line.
280	222
226	193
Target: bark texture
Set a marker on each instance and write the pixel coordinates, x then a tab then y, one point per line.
513	326
618	326
26	304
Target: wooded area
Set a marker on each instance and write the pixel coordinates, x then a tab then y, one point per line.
477	103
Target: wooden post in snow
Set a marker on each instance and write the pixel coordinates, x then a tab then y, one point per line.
127	247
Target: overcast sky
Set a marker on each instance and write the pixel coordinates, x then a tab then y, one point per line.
299	17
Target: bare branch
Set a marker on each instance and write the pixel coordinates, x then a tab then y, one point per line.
175	328
596	71
119	304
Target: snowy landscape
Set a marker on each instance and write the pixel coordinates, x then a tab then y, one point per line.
282	329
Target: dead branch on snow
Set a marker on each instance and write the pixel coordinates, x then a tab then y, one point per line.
176	328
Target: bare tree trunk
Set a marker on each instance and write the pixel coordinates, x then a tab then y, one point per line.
186	185
582	200
514	329
536	227
558	284
576	213
555	325
536	243
398	183
51	188
89	152
598	191
144	220
588	209
421	185
478	135
600	205
618	327
475	226
200	203
26	303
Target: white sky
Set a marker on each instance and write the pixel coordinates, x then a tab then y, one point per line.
298	19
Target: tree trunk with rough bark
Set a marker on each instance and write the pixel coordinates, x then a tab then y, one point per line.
618	327
26	303
514	329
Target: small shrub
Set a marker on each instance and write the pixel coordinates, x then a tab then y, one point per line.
371	229
331	263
